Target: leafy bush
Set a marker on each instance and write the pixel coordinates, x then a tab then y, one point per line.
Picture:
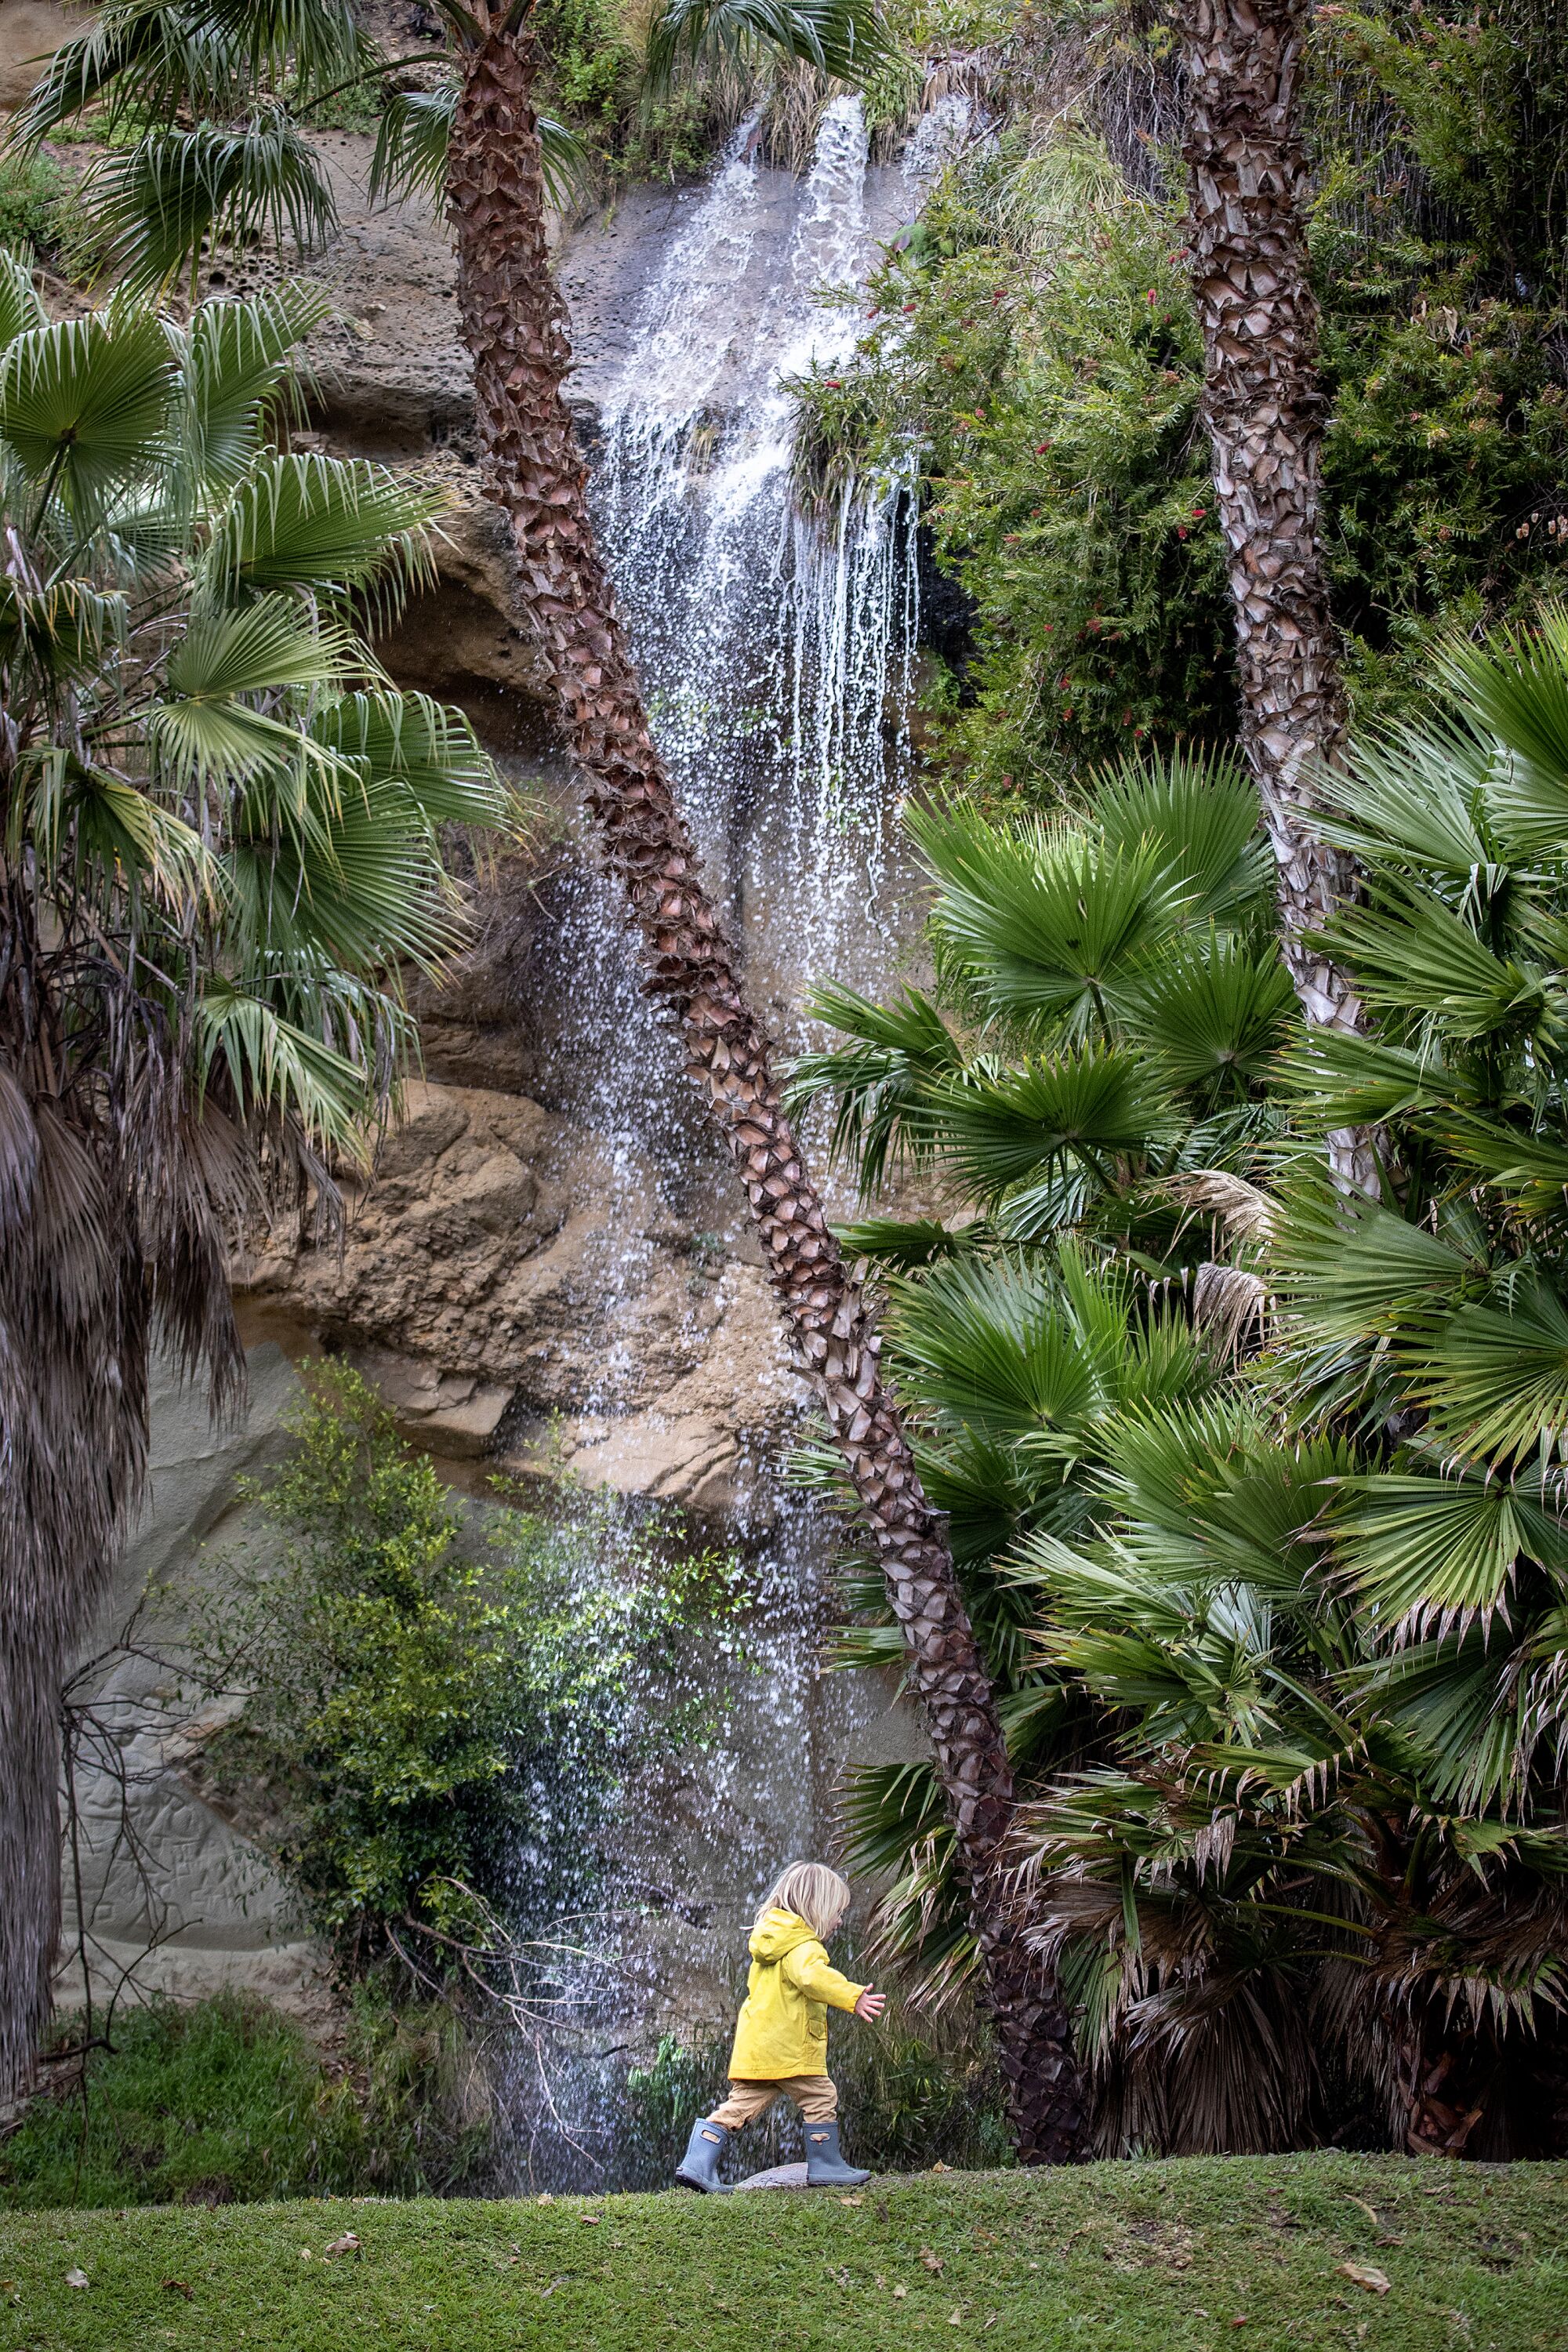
1054	395
1032	356
32	190
227	2101
914	2091
441	1709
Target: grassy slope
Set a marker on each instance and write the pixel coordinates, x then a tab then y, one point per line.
1139	2257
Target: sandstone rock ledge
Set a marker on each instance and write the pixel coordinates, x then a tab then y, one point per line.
519	1296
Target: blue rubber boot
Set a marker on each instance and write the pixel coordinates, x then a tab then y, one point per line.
698	2168
824	2164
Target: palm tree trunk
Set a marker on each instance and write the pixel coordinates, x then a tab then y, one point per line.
515	329
1264	408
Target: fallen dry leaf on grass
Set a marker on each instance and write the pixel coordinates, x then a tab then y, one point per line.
900	2293
1366	2274
1370	2210
852	2200
592	2219
347	2244
933	2263
76	2278
955	2318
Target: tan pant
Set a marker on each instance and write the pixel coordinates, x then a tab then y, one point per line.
813	2095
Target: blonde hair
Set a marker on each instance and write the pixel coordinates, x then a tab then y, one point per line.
813	1892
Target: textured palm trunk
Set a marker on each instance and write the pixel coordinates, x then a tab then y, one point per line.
514	328
1264	407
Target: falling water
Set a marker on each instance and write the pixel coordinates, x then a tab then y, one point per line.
775	655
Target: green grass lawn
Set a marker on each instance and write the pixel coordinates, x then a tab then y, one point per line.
1143	2257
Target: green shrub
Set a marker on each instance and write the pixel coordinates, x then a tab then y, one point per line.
32	192
227	2101
1033	352
442	1706
1055	396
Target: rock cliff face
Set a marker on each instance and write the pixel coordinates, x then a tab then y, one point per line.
503	1312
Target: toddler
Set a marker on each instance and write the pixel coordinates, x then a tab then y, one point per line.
780	2040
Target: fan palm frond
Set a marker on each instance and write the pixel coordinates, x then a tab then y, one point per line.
86	407
240	361
330	524
844	39
1041	925
158	200
1198	811
1213	1011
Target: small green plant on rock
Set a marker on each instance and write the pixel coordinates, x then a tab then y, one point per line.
441	1706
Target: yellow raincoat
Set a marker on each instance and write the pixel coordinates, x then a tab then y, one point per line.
783	2027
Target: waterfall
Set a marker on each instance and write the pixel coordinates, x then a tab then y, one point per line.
775	655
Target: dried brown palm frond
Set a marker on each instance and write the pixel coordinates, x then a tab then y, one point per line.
1230	1307
1195	2036
1245	1212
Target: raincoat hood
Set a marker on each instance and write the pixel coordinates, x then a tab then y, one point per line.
778	1932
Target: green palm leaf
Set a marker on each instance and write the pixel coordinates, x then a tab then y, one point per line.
1198	811
1350	1269
1041	925
204	730
1498	1379
139	58
427	748
1345	1080
324	523
350	878
1414	798
274	1066
20	309
1411	952
904	1244
237	366
159	200
1213	1010
992	1347
1516	686
995	1128
413	133
87	404
877	1080
843	38
1435	1549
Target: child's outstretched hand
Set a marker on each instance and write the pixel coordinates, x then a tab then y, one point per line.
870	2005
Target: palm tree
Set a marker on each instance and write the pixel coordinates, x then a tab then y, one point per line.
1109	1003
219	845
1336	1613
1264	407
1274	1891
146	62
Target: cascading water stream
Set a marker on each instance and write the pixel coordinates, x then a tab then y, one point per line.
775	655
770	648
